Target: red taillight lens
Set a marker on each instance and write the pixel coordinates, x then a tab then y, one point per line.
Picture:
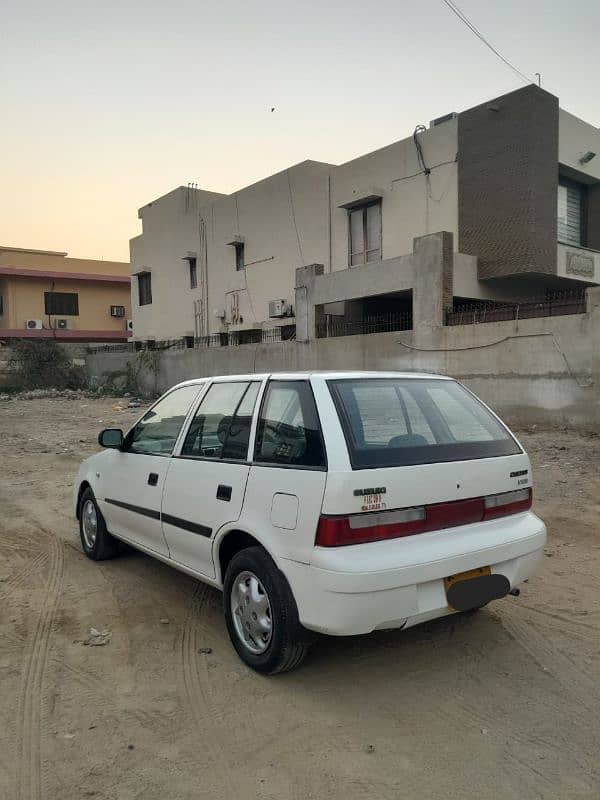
381	525
500	505
360	528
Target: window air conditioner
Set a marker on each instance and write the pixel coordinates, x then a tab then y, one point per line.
279	308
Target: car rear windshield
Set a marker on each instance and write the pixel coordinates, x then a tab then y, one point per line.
393	422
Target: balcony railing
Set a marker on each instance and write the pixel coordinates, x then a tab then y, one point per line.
384	323
552	305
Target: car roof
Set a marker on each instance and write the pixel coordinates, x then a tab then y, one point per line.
314	374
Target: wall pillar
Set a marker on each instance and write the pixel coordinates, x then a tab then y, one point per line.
305	310
593	309
433	258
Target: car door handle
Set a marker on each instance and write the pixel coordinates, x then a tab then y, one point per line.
223	492
153	479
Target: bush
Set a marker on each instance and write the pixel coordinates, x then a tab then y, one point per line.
43	364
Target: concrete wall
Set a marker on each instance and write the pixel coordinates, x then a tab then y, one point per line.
575	138
170	232
535	371
412	205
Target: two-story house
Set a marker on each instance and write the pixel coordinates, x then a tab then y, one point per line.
515	180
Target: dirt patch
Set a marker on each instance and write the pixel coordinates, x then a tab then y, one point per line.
502	703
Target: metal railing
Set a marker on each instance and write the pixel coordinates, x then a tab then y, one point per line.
383	323
552	305
284	333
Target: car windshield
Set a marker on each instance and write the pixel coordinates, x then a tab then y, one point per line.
391	422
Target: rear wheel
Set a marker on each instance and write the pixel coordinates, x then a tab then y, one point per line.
261	614
96	541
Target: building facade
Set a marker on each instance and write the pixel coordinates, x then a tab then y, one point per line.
45	294
515	181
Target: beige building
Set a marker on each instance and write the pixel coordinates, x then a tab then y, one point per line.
45	294
515	180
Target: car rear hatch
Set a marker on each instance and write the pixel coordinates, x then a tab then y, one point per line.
426	455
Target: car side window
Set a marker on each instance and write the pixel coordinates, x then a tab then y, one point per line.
157	431
288	428
238	436
211	428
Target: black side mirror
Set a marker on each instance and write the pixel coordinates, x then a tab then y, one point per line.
111	437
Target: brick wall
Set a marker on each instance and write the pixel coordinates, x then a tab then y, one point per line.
507	183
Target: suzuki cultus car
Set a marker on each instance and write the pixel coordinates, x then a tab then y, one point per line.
340	503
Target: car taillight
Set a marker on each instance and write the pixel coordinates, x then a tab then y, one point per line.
360	528
334	531
500	505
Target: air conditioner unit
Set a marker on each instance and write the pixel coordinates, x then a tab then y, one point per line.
279	308
62	324
117	311
33	324
129	325
440	120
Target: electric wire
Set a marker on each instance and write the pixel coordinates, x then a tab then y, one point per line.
463	18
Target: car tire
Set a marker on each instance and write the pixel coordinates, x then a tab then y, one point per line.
254	592
96	541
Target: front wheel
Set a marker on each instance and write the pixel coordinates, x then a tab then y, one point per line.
261	614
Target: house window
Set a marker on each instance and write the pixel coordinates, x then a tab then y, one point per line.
63	304
364	234
571	203
239	256
193	272
144	288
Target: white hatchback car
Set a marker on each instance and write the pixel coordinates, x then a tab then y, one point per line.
334	502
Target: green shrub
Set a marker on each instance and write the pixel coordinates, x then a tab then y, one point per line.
43	364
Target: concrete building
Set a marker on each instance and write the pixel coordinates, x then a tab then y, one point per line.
512	186
45	294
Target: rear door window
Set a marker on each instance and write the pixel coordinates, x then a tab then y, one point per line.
221	426
288	427
402	421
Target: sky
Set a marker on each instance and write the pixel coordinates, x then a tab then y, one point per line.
108	105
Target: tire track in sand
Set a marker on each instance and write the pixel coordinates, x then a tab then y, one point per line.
525	631
208	714
28	784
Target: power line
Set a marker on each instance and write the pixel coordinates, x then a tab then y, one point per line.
463	18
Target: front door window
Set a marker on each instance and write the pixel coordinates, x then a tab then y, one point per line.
157	431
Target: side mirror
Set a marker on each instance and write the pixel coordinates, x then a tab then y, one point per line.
111	437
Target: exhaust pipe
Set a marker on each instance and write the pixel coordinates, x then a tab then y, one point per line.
515	592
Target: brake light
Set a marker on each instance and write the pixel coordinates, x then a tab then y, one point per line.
333	531
360	528
500	505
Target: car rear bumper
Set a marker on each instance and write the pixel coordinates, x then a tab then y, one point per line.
399	583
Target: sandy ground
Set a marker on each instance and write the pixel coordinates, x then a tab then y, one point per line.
502	703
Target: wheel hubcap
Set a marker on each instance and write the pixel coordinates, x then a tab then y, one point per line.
89	524
251	612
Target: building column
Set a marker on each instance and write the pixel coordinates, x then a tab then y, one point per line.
304	308
433	278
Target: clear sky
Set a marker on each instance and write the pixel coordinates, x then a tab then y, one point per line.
107	105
